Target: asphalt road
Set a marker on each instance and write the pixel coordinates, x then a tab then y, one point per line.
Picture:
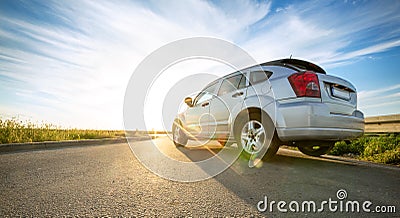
108	180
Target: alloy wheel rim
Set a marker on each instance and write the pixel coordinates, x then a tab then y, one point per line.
253	136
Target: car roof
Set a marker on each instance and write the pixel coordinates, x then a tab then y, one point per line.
296	63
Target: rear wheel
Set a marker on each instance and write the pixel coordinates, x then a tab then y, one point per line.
256	134
316	149
178	135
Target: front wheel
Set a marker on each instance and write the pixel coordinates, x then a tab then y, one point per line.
178	135
316	149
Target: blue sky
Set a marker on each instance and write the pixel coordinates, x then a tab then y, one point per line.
68	62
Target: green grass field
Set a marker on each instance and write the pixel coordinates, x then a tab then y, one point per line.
16	131
380	149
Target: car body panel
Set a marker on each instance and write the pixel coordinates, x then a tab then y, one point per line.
224	104
338	103
333	116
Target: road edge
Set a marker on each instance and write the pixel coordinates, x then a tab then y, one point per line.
14	147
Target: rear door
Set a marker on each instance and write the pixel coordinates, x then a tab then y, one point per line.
338	94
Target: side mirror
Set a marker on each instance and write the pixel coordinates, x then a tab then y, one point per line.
188	101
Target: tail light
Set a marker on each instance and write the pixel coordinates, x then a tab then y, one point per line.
305	84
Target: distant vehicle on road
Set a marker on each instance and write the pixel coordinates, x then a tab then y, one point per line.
287	101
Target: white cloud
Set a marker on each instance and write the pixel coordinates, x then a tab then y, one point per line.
76	74
377	92
340	57
87	67
380	101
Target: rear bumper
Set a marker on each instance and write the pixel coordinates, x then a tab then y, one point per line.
313	121
328	134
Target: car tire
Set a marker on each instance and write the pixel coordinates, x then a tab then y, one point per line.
251	134
315	149
178	134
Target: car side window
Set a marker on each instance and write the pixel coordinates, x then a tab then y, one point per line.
242	82
232	83
206	94
259	76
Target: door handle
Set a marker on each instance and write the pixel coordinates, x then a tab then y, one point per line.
237	94
205	104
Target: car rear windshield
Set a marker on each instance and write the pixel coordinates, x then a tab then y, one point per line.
299	64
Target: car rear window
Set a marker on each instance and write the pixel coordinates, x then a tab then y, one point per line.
309	66
295	63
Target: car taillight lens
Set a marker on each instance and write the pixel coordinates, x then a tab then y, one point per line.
305	84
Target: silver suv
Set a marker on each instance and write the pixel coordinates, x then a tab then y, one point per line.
288	101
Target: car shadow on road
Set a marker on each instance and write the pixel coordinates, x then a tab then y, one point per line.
291	175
